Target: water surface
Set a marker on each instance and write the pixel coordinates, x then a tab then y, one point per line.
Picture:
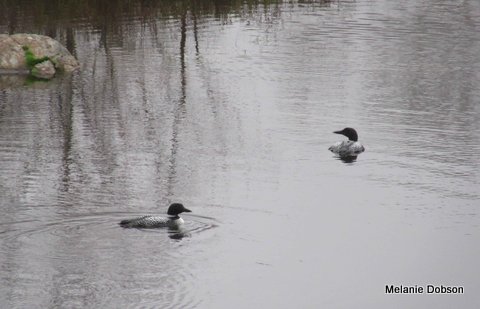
229	108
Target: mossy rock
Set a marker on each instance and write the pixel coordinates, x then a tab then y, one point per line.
24	51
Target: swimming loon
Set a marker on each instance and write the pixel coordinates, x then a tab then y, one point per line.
172	221
347	148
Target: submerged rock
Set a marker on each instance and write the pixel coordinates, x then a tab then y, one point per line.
13	50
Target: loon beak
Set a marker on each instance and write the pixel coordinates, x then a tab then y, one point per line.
337	132
186	210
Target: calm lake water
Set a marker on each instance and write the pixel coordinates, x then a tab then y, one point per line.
229	108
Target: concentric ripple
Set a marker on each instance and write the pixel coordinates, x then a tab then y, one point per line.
89	260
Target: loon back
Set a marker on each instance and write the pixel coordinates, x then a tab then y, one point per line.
172	221
347	148
147	222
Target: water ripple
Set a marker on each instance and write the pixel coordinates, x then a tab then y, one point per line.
46	251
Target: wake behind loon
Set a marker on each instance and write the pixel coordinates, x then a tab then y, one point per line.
350	148
147	222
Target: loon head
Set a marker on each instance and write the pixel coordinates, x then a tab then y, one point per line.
350	133
177	208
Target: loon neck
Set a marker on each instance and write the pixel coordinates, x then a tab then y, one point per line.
173	217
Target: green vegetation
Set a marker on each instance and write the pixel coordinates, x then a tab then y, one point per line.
31	59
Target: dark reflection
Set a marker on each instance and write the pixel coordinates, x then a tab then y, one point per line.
347	159
178	233
319	2
65	111
46	16
181	232
180	108
195	27
15	79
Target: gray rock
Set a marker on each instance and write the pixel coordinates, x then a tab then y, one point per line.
12	56
44	70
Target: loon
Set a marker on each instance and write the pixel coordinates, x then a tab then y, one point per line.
350	148
147	222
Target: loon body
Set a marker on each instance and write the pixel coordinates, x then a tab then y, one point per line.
173	219
350	148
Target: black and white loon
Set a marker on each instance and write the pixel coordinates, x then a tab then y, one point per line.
350	148
147	222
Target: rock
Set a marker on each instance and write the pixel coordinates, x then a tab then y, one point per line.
12	55
44	70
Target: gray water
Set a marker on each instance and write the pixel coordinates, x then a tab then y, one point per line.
232	113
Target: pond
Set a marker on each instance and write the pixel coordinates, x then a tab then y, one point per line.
229	108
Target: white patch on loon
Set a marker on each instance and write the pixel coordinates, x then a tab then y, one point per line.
346	148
